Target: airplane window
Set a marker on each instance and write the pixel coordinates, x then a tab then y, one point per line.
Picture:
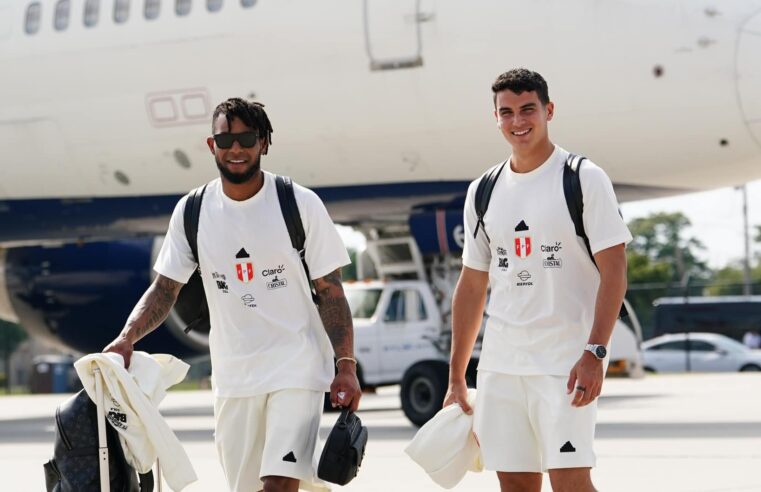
182	7
92	11
61	19
248	3
152	9
213	5
121	11
32	21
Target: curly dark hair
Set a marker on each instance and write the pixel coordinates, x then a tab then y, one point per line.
250	113
519	80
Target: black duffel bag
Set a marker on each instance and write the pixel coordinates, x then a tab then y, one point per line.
344	450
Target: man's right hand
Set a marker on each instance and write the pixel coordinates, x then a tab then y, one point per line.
123	347
458	393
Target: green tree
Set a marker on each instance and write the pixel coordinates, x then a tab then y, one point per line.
662	259
11	335
661	238
729	281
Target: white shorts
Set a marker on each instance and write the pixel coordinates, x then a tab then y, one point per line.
527	424
268	435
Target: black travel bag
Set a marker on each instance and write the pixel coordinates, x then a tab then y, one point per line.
75	463
344	450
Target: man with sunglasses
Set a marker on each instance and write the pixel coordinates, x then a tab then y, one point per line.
271	350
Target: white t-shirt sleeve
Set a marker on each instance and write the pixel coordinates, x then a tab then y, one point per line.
475	253
325	251
602	220
175	260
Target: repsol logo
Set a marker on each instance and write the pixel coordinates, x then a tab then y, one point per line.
273	271
550	248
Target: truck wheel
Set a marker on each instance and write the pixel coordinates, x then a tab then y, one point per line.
423	390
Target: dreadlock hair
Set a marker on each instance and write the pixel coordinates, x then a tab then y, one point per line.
519	80
250	113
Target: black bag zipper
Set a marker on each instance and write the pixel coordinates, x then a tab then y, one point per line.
61	432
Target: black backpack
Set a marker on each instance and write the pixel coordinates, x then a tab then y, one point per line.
291	215
574	200
75	463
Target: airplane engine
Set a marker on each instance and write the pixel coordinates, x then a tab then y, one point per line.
78	296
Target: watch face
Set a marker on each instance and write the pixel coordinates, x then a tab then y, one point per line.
600	352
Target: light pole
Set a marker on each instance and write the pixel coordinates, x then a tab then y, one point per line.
746	237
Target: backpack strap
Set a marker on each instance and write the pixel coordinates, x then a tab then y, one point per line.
191	216
574	199
292	217
483	195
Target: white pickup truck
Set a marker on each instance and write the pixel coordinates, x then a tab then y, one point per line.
401	336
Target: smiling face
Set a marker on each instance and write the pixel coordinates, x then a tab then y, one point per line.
522	119
237	164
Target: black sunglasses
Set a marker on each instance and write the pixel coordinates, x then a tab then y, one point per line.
245	139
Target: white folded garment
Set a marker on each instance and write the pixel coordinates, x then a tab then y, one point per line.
131	406
445	447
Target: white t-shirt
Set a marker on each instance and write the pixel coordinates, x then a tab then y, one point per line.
266	333
543	283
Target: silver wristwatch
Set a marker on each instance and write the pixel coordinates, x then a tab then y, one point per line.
598	351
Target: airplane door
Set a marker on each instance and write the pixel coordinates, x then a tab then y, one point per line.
749	74
392	33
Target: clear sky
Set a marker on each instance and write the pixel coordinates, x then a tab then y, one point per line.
716	218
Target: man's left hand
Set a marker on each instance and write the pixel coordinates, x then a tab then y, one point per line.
345	391
586	380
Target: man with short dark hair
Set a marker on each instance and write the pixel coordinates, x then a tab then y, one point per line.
271	349
551	312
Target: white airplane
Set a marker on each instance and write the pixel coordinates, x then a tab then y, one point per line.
378	105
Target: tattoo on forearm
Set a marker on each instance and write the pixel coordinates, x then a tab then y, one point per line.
153	307
335	313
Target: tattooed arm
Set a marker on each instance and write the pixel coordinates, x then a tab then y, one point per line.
149	312
336	317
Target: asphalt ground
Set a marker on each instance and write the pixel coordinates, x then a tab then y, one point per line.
671	433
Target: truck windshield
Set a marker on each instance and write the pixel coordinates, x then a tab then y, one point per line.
363	302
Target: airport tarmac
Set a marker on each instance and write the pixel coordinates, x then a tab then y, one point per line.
670	433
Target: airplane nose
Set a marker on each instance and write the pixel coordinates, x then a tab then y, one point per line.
749	74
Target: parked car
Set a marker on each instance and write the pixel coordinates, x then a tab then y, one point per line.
699	352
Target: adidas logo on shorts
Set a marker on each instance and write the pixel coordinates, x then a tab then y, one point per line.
568	448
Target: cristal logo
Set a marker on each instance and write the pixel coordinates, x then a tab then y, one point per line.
277	283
